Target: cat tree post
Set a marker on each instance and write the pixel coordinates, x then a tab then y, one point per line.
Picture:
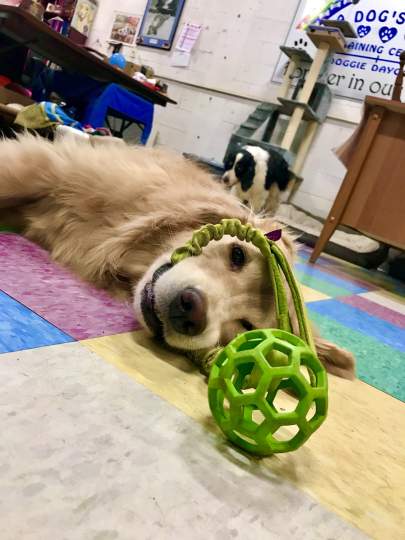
305	145
327	40
312	77
297	57
285	86
302	153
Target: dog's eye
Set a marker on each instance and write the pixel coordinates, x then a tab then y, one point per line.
238	257
247	325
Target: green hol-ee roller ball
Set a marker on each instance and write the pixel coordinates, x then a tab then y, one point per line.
267	389
246	381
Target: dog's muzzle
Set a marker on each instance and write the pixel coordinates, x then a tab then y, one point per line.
148	302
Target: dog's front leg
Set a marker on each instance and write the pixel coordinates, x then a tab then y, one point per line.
336	360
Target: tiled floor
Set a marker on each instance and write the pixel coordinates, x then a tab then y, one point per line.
363	311
67	418
43	304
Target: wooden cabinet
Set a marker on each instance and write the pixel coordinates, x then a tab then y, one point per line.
372	196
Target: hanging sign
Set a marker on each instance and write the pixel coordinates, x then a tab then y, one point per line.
370	63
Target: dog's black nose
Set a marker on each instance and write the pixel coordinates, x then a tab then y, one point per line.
188	312
226	180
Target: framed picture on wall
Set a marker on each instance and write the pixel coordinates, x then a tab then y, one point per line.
83	16
124	28
160	22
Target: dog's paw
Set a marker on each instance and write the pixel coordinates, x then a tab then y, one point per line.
336	360
204	359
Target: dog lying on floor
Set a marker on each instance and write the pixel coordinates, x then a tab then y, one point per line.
114	217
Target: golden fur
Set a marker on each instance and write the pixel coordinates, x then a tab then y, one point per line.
113	215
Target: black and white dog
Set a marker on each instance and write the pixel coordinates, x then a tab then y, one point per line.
257	177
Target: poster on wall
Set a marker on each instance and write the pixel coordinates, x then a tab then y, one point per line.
159	23
124	28
370	63
85	12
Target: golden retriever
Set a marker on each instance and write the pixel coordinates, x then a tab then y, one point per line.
114	215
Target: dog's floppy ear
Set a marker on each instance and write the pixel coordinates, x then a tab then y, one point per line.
229	160
245	171
277	172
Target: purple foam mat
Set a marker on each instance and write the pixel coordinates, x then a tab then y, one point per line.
77	308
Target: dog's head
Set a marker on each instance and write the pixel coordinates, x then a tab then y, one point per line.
207	300
240	167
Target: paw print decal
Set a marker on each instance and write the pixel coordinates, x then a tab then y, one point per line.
363	31
301	44
386	33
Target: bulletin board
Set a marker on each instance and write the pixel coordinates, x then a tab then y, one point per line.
370	63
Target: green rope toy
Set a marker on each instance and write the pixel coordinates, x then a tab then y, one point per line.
248	375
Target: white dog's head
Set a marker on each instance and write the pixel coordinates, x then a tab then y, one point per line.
207	300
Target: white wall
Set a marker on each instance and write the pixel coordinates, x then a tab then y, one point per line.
236	53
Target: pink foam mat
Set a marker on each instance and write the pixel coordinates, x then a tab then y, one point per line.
77	308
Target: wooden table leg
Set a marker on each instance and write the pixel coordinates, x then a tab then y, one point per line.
354	169
328	229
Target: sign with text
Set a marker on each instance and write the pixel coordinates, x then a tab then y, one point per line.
370	63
